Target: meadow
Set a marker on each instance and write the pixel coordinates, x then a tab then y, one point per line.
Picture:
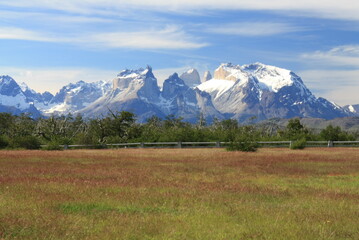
180	194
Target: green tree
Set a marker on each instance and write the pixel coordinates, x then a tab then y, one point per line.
245	140
331	133
7	122
295	130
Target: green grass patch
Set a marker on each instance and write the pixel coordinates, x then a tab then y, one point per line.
74	208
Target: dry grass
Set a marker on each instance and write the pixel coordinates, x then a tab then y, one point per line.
180	194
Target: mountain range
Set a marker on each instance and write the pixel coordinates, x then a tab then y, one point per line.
237	92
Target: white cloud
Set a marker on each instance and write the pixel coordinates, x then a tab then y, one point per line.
345	9
334	73
22	34
170	37
253	28
340	86
51	17
347	56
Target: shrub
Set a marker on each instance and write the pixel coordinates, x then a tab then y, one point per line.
100	146
298	144
83	138
27	142
53	146
244	143
4	142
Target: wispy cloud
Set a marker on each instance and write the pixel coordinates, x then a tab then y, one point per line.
341	56
171	37
345	9
253	28
22	34
334	73
51	17
339	85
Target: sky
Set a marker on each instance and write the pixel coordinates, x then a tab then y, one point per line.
48	44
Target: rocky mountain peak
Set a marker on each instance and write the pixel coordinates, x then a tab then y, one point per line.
191	77
207	76
9	87
6	79
172	86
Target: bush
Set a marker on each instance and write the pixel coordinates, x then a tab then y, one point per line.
298	144
4	142
53	146
243	143
27	142
100	146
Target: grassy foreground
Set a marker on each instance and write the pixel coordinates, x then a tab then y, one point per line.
180	194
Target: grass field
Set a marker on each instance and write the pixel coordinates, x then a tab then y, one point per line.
180	194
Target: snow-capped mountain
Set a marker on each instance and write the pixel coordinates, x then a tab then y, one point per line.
265	92
137	91
13	99
238	92
74	97
133	90
35	97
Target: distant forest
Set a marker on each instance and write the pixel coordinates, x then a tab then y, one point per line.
118	127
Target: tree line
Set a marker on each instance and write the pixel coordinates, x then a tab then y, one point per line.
22	131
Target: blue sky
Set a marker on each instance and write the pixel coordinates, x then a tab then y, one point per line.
48	44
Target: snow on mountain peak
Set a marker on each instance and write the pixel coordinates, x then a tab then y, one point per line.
5	80
228	71
269	77
133	73
191	70
125	77
23	86
11	94
351	109
128	73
